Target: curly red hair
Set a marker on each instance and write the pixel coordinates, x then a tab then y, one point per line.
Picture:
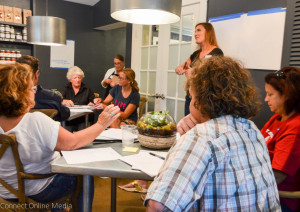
14	90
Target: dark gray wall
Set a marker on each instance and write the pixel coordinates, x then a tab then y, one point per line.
94	50
24	4
102	14
226	7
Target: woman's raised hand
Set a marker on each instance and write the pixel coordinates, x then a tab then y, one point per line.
108	115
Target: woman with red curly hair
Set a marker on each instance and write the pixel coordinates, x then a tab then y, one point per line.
39	137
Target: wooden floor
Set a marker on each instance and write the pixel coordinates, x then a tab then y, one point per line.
126	201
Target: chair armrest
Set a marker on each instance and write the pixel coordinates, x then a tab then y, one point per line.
35	176
290	194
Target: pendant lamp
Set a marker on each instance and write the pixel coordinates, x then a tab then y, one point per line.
46	30
148	12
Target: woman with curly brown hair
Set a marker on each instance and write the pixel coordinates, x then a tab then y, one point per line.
222	163
282	131
39	137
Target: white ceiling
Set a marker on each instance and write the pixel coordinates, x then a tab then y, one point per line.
86	2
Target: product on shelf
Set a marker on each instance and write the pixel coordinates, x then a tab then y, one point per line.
1	13
9	56
8	14
17	15
26	13
13	33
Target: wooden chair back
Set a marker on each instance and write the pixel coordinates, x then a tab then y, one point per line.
143	100
49	112
9	142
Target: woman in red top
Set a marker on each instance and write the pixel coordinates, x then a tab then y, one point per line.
282	131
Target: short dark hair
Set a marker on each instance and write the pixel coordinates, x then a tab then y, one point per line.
120	57
287	82
223	87
31	61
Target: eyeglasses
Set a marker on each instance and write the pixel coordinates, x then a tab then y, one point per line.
120	78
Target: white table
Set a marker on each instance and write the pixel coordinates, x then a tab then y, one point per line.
114	169
74	115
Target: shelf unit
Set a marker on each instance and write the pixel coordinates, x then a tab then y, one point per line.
23	46
13	24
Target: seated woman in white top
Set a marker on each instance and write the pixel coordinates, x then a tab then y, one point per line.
39	137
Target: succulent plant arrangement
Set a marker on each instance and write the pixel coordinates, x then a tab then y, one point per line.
157	124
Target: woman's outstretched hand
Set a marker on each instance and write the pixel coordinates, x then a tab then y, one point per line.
108	115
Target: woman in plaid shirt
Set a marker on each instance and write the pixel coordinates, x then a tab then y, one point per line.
222	163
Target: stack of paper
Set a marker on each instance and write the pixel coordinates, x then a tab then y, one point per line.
90	155
145	162
81	108
111	134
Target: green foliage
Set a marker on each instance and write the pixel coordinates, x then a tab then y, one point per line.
156	119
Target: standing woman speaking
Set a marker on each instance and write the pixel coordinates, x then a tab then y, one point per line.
206	39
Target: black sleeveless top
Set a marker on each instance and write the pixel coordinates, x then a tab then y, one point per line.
215	52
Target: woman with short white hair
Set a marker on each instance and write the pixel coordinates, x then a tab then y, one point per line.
76	92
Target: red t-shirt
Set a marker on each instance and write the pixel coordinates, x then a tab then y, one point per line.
283	142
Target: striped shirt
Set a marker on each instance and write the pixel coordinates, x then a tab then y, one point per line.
220	165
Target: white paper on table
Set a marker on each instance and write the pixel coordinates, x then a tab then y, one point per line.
90	155
144	162
82	107
75	110
111	134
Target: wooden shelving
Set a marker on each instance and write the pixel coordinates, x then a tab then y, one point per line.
13	24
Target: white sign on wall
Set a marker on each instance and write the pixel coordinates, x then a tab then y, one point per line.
255	38
62	56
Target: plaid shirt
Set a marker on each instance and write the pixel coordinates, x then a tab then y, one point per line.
220	165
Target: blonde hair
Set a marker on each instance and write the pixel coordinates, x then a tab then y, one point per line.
14	90
74	70
130	75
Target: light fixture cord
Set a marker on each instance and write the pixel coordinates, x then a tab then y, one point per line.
46	7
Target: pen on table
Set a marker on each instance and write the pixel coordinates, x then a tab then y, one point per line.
155	155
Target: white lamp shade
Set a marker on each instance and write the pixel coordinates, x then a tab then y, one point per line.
148	12
46	30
